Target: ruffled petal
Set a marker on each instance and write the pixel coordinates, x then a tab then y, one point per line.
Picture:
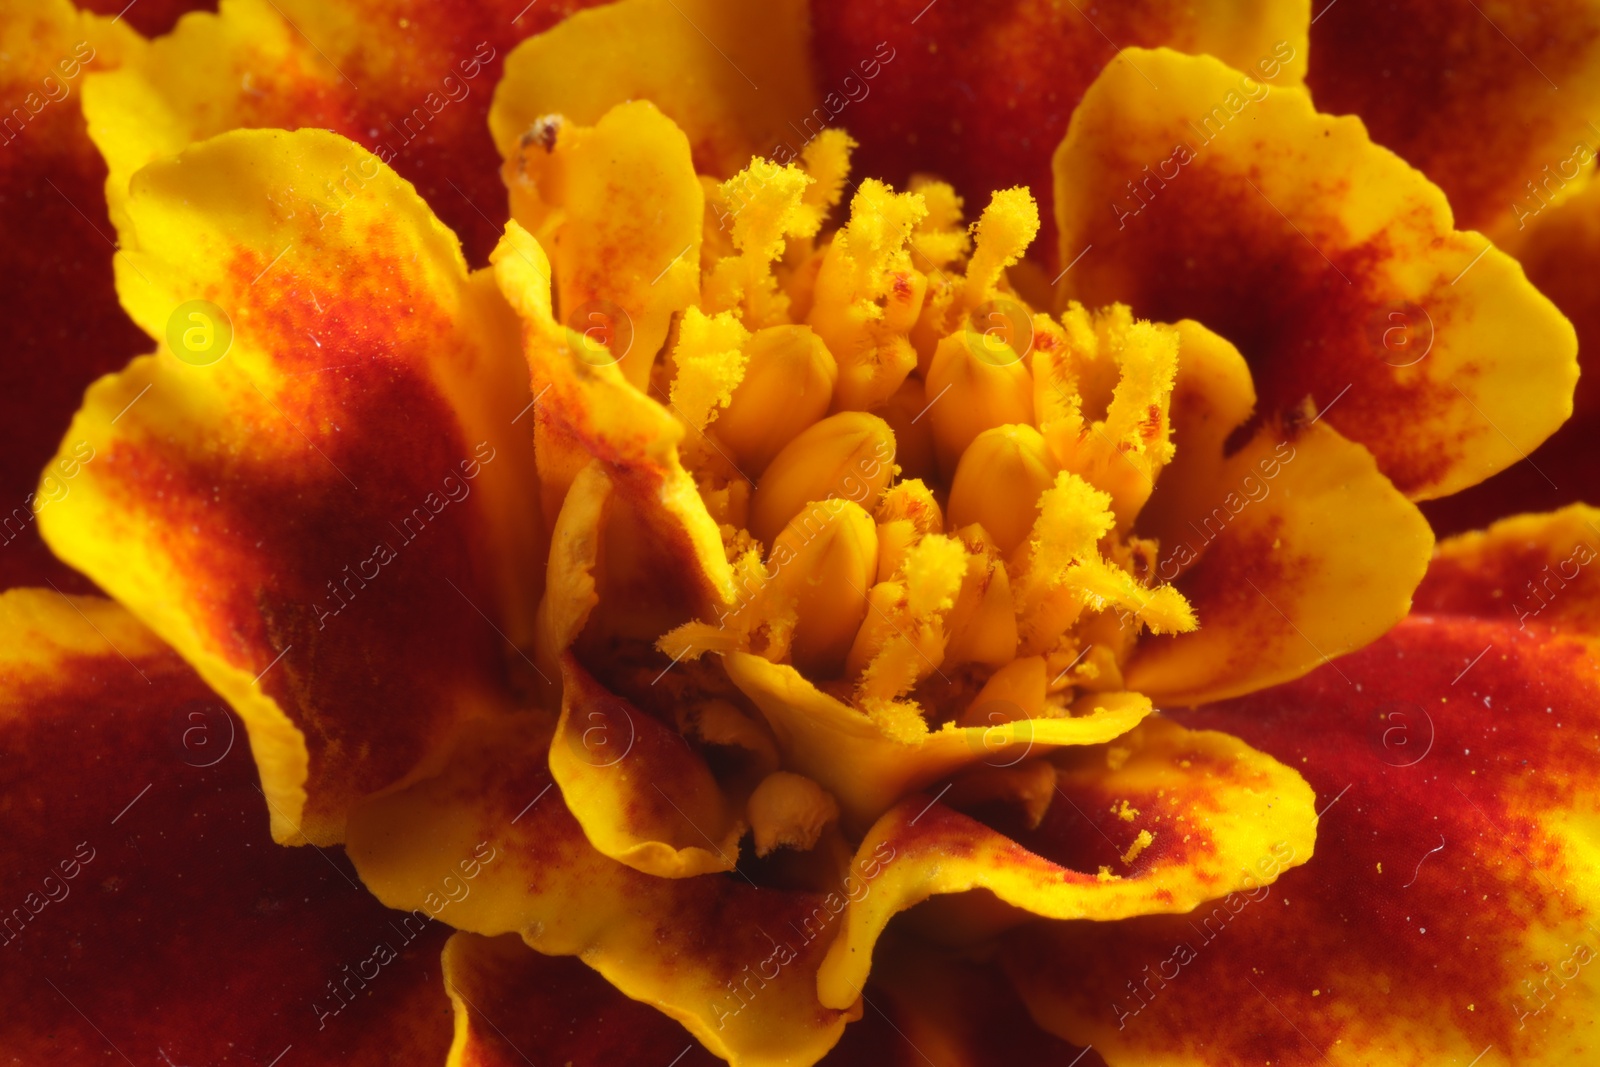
148	914
315	489
588	411
1332	265
512	1002
1451	909
1201	809
63	325
735	964
981	95
1292	548
641	794
868	766
410	82
733	76
1491	100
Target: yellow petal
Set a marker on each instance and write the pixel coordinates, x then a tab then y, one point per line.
867	769
731	76
620	210
642	796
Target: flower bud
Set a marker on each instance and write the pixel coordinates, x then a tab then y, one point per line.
998	483
825	560
789	811
849	455
788	381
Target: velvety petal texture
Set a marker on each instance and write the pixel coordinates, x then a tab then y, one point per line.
148	916
314	489
1451	909
1331	264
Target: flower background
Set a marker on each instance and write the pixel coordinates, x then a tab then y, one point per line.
1343	960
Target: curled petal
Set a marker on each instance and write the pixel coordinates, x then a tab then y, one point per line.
735	964
1333	266
1491	100
509	999
314	490
1450	911
731	75
641	794
868	768
1208	816
123	769
1292	549
588	411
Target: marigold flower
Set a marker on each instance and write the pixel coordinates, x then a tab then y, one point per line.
757	550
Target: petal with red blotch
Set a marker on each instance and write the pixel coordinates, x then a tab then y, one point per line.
1290	550
641	794
410	82
511	1002
63	326
1531	570
1491	100
733	76
1560	250
1200	810
734	963
1451	912
151	17
588	411
334	520
1330	263
148	914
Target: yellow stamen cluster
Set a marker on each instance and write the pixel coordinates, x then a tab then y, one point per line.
925	487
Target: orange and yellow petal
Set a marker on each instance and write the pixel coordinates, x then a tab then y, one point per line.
731	75
63	326
1292	546
734	963
1492	100
1451	909
1198	811
641	794
980	95
1332	265
869	762
147	910
315	489
410	81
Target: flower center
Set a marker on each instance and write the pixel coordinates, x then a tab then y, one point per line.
924	488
